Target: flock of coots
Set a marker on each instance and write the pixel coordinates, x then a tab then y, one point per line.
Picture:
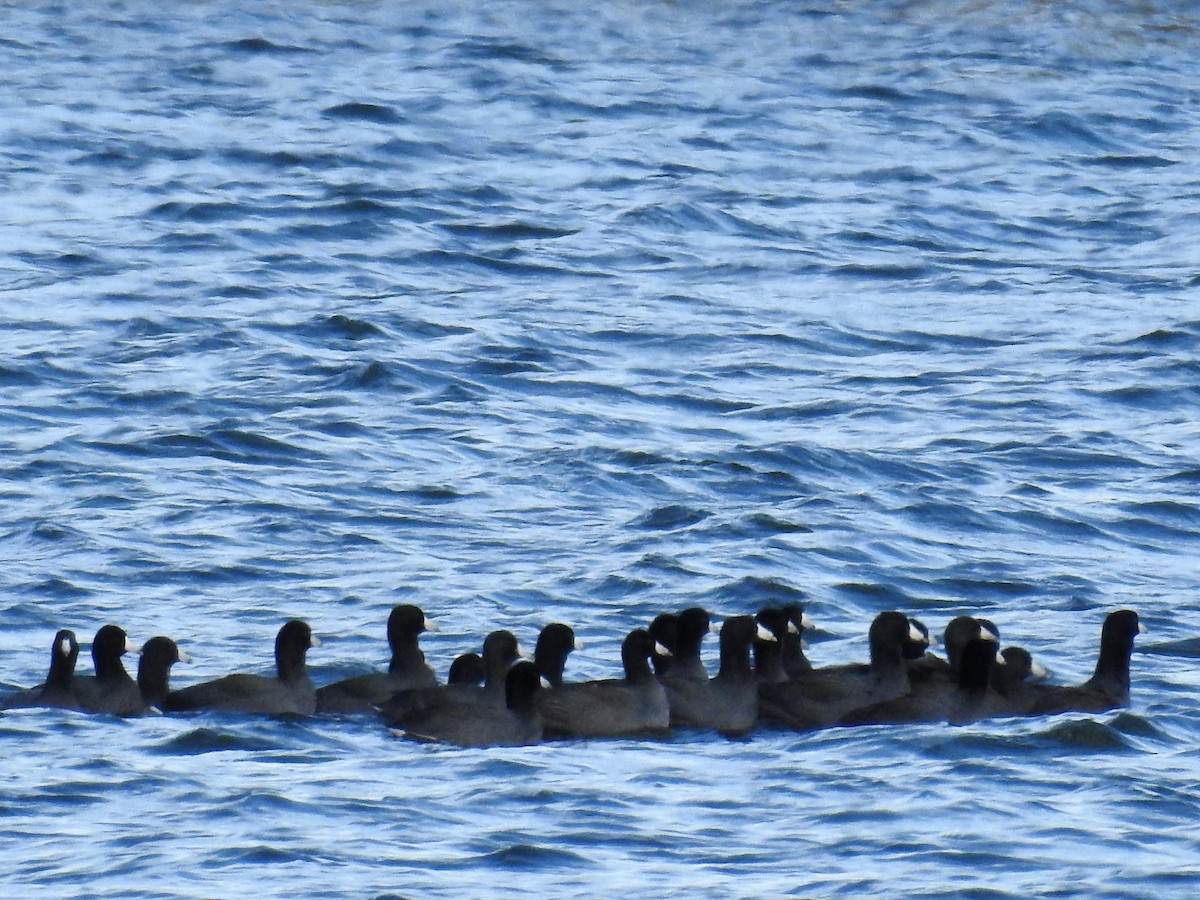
502	697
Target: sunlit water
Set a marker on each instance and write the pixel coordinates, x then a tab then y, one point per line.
525	311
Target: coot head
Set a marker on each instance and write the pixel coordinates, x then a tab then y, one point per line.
292	644
663	629
158	655
109	645
521	685
960	631
63	654
405	623
555	642
889	633
467	668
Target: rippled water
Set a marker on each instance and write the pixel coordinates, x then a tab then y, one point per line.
525	312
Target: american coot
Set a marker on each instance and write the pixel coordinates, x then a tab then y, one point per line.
1108	688
727	702
635	705
965	700
823	696
555	642
500	651
407	669
154	671
290	692
1016	680
467	668
58	690
691	628
974	698
110	690
663	629
516	723
768	654
925	667
795	663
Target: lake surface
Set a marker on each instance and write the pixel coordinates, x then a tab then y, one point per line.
524	311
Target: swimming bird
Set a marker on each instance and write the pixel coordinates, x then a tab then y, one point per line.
727	702
1016	681
467	668
795	663
516	723
663	629
500	650
407	668
555	642
111	690
154	671
58	690
823	696
925	666
1108	688
635	705
289	692
691	627
768	654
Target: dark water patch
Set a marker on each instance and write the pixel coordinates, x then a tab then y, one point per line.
1191	476
1185	337
985	589
874	595
883	271
62	589
947	514
751	593
508	231
454	260
371	376
213	740
204	212
620	587
1144	397
1184	648
260	46
670	518
17	377
1051	524
765	523
380	114
1131	161
522	856
1086	735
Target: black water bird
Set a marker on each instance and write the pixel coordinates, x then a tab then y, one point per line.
691	627
111	690
516	723
963	700
1108	688
58	690
154	671
407	668
823	696
795	663
467	668
633	706
1016	681
663	630
727	702
500	650
289	692
554	644
768	654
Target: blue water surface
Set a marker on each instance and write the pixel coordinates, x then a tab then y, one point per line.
529	311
